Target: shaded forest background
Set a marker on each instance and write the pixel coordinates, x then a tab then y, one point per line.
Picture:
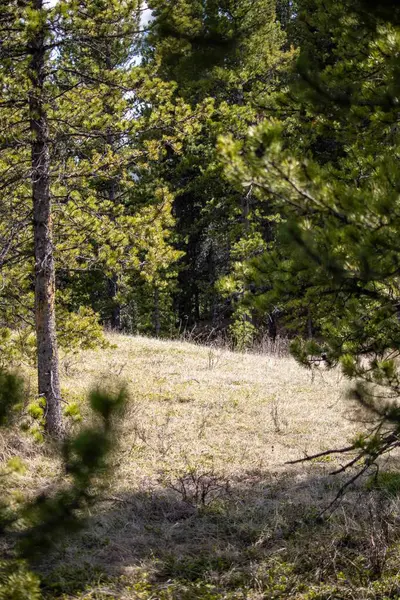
152	232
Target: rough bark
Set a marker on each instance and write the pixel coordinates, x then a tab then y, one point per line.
115	316
115	313
47	354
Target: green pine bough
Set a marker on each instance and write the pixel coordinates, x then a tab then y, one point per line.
30	530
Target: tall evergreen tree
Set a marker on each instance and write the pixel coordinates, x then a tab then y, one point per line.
71	101
336	256
229	52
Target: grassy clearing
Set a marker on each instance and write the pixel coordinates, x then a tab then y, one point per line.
200	503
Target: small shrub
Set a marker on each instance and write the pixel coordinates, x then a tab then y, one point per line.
17	582
16	465
73	411
196	486
242	329
387	482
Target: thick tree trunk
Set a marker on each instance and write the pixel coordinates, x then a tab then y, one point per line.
115	316
47	354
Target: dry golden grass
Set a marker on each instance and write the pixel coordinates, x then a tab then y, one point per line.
200	489
244	411
195	407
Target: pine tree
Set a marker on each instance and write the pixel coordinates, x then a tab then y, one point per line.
231	53
78	135
24	51
336	257
46	65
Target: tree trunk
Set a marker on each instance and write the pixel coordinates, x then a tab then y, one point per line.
47	354
310	327
115	315
156	313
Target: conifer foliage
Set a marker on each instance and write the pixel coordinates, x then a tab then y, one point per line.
48	80
75	138
335	262
231	54
32	529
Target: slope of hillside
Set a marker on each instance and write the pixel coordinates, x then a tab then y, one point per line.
201	503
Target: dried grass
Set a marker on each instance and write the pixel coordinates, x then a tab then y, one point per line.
200	488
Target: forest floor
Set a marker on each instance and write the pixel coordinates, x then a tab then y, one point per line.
200	503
